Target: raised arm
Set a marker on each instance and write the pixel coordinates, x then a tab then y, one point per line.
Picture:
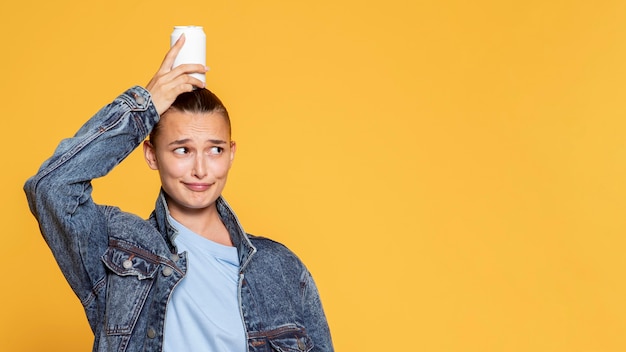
59	195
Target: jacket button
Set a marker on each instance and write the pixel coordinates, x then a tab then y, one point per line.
139	99
167	271
151	333
127	264
301	345
175	257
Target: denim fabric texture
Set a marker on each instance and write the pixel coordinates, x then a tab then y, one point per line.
123	268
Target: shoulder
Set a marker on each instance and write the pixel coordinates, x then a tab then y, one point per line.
115	215
267	244
274	251
129	226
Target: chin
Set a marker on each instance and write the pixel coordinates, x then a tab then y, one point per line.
194	204
201	205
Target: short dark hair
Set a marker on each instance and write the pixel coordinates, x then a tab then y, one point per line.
200	100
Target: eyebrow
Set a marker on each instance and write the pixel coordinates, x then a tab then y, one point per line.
187	140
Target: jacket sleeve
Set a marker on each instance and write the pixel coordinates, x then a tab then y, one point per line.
59	195
316	323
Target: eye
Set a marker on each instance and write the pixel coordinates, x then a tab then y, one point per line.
181	151
216	150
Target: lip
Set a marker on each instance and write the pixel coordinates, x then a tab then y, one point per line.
198	187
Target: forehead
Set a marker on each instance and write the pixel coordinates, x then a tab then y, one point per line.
176	125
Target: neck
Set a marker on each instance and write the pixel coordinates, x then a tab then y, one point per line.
205	222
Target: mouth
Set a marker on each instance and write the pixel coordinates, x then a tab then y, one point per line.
198	187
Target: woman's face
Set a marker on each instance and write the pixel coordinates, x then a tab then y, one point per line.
193	153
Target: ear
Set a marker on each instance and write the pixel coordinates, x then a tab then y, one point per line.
233	149
150	154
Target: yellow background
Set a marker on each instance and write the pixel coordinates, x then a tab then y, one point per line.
452	172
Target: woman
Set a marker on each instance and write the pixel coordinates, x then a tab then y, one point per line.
188	278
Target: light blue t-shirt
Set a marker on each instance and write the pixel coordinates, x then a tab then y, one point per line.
203	313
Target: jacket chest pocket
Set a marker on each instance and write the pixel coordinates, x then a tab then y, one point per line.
288	338
128	284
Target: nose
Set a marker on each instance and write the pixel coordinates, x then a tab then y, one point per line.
199	167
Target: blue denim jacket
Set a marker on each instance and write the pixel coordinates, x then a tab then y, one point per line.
124	268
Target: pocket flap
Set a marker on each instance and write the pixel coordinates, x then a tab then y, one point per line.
125	261
292	339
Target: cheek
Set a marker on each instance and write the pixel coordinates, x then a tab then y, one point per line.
220	168
173	167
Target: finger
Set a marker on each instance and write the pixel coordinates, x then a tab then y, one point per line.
188	68
196	82
184	88
185	80
180	71
168	61
179	84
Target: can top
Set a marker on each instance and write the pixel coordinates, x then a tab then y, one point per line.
189	27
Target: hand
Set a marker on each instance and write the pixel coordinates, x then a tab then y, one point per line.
168	83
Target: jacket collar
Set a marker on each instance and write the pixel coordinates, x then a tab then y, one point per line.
240	239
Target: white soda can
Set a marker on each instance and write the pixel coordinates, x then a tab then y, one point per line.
194	49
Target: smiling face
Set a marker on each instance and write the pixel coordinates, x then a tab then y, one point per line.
193	154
